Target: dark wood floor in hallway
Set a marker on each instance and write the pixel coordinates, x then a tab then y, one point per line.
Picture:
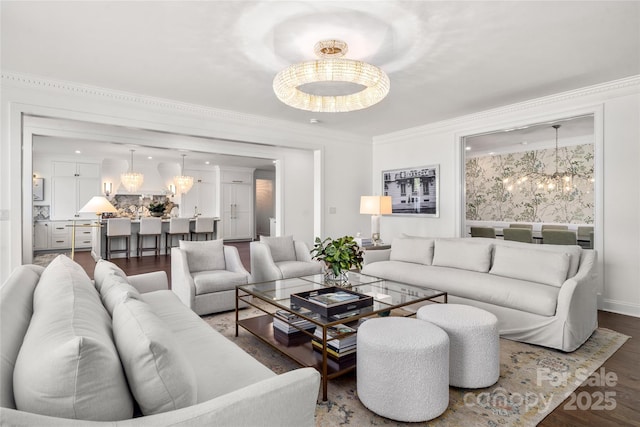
624	363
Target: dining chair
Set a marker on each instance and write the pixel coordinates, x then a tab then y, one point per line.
518	234
521	225
554	227
489	232
585	236
559	237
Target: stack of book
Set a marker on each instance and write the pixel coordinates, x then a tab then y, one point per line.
341	349
285	330
362	241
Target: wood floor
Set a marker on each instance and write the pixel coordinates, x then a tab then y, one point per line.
625	393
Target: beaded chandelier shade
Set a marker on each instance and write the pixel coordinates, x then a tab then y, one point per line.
331	67
131	180
182	182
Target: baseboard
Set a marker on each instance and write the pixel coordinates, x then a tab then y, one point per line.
620	307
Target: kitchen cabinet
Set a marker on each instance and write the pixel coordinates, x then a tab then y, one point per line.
72	186
202	196
40	235
236	194
58	234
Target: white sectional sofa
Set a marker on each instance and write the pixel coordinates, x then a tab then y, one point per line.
541	294
127	352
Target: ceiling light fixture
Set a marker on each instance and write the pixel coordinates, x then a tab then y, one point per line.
131	180
182	182
289	84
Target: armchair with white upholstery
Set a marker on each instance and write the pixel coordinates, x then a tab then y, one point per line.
275	258
204	275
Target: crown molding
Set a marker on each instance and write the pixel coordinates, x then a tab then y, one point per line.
632	84
315	134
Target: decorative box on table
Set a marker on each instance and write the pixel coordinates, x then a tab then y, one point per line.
331	301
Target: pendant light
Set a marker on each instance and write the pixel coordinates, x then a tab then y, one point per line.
182	182
131	180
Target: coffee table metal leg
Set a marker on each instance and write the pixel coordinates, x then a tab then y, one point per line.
237	309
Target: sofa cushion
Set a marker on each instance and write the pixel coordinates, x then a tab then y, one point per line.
530	264
68	365
159	373
16	308
204	256
103	269
217	280
415	250
219	364
114	290
574	251
299	268
282	248
463	254
507	292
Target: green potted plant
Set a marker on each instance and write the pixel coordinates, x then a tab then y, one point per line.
157	208
339	256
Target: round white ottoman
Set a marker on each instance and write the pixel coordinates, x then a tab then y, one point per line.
403	368
474	340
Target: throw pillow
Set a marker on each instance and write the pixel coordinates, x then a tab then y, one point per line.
282	248
114	290
68	366
103	269
417	251
532	265
463	254
159	374
207	255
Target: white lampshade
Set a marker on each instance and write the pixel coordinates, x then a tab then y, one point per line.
375	205
98	205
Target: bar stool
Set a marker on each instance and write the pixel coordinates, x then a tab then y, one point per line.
204	225
177	227
150	227
118	228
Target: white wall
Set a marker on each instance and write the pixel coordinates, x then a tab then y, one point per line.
617	107
347	176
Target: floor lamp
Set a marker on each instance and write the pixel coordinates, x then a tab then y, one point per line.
97	205
375	206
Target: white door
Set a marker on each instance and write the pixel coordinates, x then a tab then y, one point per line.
63	197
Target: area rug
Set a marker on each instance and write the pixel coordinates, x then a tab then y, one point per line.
46	258
533	381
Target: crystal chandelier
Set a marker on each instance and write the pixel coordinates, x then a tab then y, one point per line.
131	180
183	183
331	67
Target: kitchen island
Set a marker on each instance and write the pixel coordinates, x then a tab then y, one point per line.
99	239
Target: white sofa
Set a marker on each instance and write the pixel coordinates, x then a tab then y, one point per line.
66	361
541	294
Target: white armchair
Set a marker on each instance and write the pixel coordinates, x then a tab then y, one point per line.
274	258
204	275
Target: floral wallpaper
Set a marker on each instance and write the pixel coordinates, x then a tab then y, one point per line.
515	186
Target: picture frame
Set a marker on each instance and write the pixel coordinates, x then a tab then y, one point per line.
414	191
38	189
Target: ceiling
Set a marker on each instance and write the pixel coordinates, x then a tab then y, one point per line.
444	59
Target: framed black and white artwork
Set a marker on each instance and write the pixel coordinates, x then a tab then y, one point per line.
38	189
413	191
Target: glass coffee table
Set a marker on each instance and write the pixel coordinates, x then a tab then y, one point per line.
389	298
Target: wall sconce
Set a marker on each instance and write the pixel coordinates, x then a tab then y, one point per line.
108	186
172	190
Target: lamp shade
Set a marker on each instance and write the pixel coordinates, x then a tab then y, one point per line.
375	205
98	205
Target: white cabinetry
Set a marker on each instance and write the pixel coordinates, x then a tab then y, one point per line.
72	186
236	201
40	235
202	196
